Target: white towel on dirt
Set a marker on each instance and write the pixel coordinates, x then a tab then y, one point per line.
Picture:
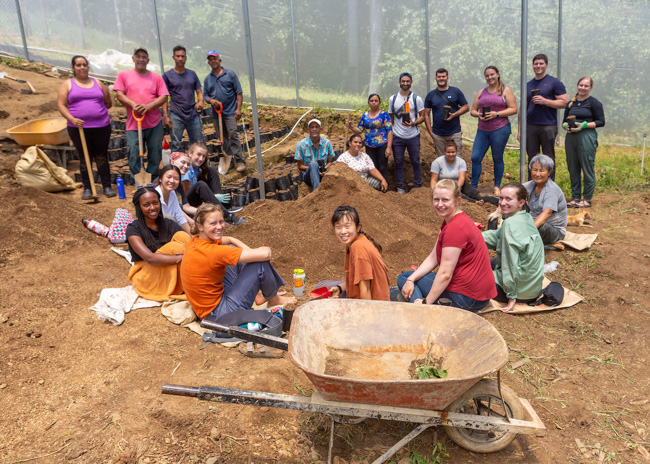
114	303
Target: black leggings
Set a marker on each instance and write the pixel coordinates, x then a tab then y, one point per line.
203	192
97	139
474	195
378	157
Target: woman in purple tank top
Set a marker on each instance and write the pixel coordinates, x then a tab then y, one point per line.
492	106
84	102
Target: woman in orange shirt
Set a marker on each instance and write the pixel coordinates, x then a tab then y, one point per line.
366	276
222	274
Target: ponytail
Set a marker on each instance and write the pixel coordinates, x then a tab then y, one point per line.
352	214
377	245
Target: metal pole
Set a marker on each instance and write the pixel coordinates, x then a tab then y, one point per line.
426	38
559	58
295	59
22	29
524	102
251	79
155	20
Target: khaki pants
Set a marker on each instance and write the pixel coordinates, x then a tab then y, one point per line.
441	142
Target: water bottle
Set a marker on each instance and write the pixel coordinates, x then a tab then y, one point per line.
254	326
166	153
120	187
99	229
298	282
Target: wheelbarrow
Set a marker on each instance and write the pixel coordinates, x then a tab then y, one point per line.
360	355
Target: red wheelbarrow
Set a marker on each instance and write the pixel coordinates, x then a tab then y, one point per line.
359	355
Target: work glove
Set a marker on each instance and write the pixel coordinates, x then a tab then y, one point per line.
223	197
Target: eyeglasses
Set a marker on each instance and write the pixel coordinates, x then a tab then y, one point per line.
138	187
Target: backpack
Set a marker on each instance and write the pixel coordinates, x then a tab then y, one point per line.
391	109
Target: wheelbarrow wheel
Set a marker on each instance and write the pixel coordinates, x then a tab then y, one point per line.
484	399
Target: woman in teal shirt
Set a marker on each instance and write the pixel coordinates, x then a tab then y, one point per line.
519	265
379	135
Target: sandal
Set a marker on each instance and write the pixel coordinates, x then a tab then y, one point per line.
573	203
586	203
255	350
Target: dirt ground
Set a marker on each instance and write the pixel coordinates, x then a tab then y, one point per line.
75	389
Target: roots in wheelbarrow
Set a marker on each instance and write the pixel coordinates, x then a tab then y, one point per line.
483	399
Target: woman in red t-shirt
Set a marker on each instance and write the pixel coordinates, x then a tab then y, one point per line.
464	274
366	275
222	274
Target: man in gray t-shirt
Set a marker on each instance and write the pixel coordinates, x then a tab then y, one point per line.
550	198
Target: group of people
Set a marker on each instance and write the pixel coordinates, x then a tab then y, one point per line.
395	132
174	101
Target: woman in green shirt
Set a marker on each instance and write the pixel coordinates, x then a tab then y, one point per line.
519	265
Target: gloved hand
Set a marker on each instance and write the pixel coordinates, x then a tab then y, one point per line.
580	126
223	197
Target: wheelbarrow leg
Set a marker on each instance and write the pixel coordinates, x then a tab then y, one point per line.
329	451
400	444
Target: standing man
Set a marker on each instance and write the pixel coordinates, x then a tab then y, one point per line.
443	128
222	86
406	135
546	94
314	154
144	92
183	112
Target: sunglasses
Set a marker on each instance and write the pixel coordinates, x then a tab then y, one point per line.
138	187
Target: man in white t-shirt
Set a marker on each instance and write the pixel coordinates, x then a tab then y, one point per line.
406	110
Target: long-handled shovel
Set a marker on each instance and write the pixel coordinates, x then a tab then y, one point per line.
224	162
89	167
143	177
248	148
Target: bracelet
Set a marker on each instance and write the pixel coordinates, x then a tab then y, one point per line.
340	289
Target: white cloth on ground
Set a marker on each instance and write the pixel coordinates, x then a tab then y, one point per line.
114	303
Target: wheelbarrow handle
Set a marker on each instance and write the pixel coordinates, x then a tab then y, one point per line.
249	335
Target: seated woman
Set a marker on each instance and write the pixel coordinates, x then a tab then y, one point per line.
361	162
547	203
219	279
464	274
182	162
202	185
454	167
170	179
519	265
366	275
156	245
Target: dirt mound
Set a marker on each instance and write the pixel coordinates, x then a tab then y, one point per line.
301	235
4	87
36	223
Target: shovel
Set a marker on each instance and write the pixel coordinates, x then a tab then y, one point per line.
143	177
89	167
248	148
31	87
224	162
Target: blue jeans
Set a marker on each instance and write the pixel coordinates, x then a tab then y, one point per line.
423	287
312	175
241	284
151	141
496	140
179	125
400	145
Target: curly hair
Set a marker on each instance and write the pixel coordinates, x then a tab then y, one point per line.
164	231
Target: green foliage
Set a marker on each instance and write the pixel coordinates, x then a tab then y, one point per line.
438	455
430	372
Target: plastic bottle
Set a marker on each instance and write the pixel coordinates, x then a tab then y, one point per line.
99	229
298	282
120	188
166	153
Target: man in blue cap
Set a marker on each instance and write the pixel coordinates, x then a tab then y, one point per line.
222	86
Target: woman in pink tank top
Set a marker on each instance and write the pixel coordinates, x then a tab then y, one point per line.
84	102
492	106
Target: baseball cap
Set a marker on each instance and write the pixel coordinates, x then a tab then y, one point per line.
405	74
140	49
212	53
317	121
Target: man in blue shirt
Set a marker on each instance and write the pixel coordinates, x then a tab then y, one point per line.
222	86
541	112
182	112
443	128
314	154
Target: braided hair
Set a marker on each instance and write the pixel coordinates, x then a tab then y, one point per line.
575	97
350	213
164	232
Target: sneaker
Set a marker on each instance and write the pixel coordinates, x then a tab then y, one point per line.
241	167
109	192
236	221
235	209
87	193
401	191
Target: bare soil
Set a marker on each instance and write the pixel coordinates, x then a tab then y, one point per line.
75	389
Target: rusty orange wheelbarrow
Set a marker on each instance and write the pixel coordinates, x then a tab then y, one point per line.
359	355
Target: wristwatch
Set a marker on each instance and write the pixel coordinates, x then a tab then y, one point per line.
497	114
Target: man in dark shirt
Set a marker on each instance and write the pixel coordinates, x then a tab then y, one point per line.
541	112
443	128
182	112
222	86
